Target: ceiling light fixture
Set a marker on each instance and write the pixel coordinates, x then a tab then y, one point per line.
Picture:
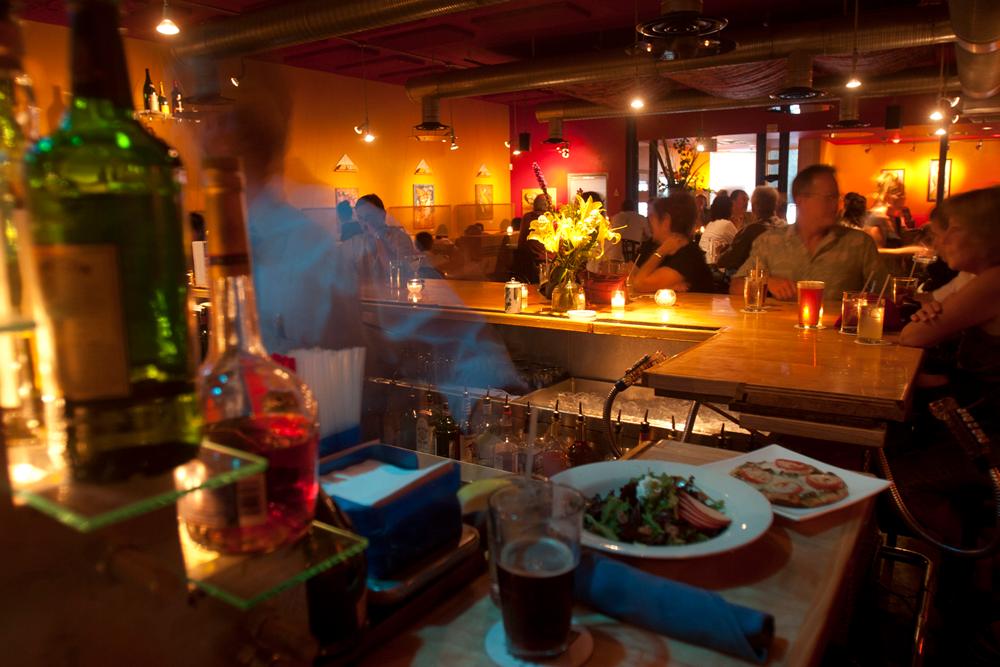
454	142
637	103
166	26
237	79
364	130
895	140
936	115
940	132
563	150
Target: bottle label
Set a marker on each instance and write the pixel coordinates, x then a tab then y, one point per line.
82	292
241	504
425	435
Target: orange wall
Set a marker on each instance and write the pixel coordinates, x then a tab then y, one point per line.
857	170
325	107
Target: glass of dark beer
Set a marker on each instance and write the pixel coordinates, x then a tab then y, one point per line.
535	547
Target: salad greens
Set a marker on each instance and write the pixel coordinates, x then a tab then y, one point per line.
656	509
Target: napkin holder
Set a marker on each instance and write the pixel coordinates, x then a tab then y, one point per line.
409	522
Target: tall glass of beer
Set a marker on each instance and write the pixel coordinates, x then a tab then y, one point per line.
810	303
534	532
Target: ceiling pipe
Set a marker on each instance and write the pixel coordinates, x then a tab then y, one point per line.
289	24
907	83
977	46
878	32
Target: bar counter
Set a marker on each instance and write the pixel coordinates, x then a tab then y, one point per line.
785	379
799	572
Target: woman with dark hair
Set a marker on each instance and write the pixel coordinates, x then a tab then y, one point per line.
855	210
671	260
720	230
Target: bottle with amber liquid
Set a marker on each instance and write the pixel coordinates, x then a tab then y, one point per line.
111	255
249	401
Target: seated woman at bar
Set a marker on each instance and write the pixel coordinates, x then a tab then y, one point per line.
720	230
763	209
970	242
671	260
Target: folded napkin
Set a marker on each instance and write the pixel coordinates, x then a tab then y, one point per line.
674	609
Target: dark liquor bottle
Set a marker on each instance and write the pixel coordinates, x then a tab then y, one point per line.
337	597
552	459
250	402
407	434
110	252
582	451
149	97
524	442
164	101
447	435
176	101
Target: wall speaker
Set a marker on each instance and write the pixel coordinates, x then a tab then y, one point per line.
524	142
893	117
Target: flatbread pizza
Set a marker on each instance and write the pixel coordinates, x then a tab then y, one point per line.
792	483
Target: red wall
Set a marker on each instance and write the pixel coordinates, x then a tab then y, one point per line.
596	147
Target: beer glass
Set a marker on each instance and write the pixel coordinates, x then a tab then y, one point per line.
534	530
810	303
903	289
870	316
754	291
396	274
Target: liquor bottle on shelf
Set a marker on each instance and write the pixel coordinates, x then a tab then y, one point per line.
110	251
582	451
524	443
505	451
407	434
426	419
164	101
150	101
486	431
552	457
176	100
447	437
467	436
21	384
250	402
645	431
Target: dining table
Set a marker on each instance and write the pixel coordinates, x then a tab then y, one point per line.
803	573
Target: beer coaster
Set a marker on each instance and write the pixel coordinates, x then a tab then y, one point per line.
580	649
753	312
881	342
802	328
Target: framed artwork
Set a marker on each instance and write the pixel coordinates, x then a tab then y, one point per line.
528	198
932	179
484	201
899	173
349	195
576	183
423	195
423	206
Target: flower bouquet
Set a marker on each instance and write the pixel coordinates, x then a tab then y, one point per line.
572	235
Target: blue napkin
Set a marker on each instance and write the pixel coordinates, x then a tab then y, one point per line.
674	609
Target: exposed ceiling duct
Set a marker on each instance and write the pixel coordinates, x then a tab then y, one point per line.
431	128
907	83
288	24
977	46
798	80
681	18
878	32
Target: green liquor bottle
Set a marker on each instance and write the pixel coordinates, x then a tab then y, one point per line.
111	257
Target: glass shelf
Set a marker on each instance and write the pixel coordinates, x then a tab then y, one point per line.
39	478
16	325
244	581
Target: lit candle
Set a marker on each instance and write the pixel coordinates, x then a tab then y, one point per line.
665	297
524	294
510	230
618	301
414	286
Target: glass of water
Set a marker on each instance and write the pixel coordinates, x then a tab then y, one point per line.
754	291
871	314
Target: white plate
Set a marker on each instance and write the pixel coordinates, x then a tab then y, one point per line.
749	510
859	486
581	314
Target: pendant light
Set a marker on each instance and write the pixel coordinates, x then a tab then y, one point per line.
166	26
854	81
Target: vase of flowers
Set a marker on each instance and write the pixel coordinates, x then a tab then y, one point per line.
572	235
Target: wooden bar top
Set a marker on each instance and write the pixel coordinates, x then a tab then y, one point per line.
795	572
750	359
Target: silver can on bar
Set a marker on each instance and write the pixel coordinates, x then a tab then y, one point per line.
512	296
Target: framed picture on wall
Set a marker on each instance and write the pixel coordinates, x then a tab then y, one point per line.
576	183
484	201
349	195
423	206
528	198
932	179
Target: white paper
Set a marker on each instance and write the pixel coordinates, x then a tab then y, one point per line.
370	481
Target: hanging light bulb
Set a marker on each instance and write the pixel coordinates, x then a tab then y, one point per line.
895	140
853	82
940	132
637	103
700	146
168	27
360	129
516	151
369	137
936	115
454	142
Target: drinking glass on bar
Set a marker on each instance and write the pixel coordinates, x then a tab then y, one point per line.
903	289
849	311
810	303
396	274
534	530
755	290
871	314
